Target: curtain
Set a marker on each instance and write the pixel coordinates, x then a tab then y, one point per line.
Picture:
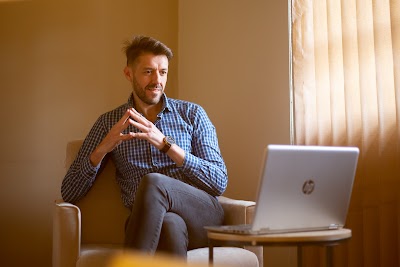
345	62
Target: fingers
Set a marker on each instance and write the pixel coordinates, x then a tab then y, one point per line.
122	123
134	112
147	130
126	120
138	121
115	136
137	116
128	136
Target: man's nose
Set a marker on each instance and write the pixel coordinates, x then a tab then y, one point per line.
156	77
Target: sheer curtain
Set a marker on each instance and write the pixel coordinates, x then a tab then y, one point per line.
346	92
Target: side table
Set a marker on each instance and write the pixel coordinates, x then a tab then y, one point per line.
327	238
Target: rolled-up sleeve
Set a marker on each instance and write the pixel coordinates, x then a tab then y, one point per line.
204	166
81	175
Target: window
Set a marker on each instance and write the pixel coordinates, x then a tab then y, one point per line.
346	92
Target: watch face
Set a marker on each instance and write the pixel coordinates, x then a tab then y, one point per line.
170	140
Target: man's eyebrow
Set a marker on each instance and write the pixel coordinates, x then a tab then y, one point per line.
151	68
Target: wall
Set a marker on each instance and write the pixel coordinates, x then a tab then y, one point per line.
60	67
233	60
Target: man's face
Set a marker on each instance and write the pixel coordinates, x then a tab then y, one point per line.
148	75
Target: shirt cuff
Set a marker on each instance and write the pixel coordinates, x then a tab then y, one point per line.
191	164
88	170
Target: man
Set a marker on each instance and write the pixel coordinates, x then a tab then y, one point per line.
166	152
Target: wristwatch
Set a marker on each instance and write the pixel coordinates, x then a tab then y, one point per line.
168	142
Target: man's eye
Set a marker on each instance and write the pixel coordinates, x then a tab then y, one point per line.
163	72
147	72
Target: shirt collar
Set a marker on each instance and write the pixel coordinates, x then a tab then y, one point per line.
166	105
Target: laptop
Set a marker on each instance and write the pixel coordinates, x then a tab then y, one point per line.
302	188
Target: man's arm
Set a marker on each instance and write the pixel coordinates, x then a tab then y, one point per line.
98	143
113	138
81	174
204	167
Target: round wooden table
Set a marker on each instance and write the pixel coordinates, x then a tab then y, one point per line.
327	238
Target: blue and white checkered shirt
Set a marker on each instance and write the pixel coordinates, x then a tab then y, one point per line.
186	122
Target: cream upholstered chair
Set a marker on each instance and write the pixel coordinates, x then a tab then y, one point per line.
92	231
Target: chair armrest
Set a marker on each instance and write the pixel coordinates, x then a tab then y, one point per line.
241	212
66	234
237	211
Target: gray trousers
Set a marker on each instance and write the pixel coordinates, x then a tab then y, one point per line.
169	215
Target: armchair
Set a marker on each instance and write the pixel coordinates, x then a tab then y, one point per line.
92	231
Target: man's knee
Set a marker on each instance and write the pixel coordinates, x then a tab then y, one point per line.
152	179
151	182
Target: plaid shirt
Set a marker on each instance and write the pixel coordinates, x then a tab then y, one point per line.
186	122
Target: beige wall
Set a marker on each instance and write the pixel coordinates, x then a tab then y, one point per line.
234	62
60	67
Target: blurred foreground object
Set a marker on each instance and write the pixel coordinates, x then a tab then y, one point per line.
141	260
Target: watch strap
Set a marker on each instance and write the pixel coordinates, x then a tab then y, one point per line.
167	145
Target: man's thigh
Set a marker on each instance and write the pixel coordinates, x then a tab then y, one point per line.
196	207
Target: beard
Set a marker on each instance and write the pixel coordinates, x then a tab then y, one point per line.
141	92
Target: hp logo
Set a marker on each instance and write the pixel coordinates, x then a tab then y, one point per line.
308	187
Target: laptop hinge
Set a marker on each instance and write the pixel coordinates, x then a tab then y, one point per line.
334	226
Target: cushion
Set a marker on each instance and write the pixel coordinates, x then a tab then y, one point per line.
101	255
98	255
226	256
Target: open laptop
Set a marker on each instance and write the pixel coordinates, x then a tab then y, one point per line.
302	188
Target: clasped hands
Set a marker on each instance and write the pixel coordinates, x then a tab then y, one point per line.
147	131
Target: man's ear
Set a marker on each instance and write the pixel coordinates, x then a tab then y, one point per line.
128	73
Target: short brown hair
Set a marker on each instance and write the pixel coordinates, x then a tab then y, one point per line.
140	44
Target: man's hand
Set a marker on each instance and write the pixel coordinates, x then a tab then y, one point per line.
154	136
112	139
148	131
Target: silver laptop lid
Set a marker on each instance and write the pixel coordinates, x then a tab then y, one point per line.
305	187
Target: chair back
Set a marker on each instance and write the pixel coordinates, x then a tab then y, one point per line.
102	211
